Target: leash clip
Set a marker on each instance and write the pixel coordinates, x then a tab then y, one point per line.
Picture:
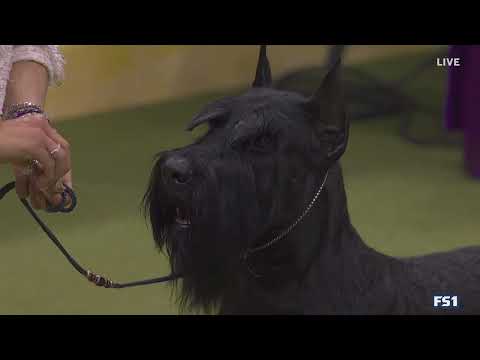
62	208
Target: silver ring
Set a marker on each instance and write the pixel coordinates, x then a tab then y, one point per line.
28	170
54	151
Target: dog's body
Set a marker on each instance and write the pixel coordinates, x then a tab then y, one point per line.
254	215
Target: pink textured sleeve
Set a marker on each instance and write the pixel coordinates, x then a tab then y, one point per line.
47	55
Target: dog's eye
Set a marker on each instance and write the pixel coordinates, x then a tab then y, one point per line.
262	142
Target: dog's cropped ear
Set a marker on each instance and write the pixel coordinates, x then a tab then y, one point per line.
326	108
205	117
212	113
263	77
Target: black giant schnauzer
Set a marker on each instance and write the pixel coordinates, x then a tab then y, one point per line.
254	215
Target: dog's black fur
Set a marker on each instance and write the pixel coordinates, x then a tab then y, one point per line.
250	177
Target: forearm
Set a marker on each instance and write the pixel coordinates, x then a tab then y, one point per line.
28	83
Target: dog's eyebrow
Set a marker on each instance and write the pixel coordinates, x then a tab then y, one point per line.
250	127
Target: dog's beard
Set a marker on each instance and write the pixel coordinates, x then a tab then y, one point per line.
223	214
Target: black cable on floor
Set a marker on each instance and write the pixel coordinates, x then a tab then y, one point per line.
371	98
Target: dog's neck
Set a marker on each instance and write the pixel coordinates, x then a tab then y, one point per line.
325	232
319	254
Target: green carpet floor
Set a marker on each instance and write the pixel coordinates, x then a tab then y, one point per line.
404	200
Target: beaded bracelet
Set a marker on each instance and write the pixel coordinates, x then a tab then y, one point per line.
18	110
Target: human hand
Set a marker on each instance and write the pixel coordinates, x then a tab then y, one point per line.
28	138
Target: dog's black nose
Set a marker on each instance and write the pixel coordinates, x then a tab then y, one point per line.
177	170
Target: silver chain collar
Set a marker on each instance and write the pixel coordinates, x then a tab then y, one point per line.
291	227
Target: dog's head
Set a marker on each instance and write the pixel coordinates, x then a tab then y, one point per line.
250	176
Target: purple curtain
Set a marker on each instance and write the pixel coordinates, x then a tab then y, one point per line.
462	110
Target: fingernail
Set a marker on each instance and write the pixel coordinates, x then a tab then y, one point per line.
59	187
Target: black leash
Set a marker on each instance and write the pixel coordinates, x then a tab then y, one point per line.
97	279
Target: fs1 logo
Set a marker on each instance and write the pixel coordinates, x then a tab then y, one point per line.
445	301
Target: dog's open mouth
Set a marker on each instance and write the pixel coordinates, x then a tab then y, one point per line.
182	217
